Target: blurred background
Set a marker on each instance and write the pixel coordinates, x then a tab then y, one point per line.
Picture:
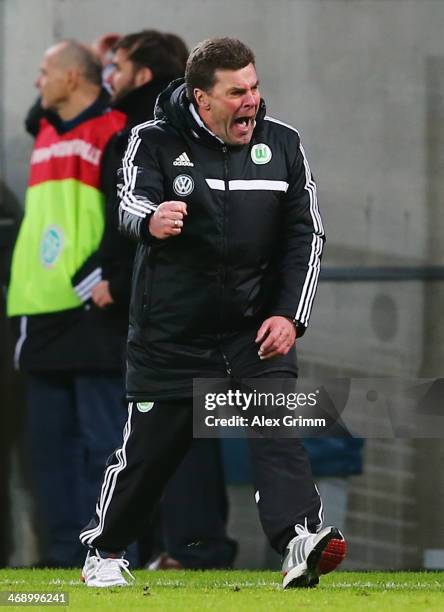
363	81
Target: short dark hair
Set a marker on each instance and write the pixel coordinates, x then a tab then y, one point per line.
181	50
154	50
211	55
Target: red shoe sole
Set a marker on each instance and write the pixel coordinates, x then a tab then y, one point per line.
333	554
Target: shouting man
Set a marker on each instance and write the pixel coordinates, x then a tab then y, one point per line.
223	205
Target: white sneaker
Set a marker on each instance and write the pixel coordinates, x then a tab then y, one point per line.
105	571
311	554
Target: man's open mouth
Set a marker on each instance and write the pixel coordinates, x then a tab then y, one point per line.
243	126
244	122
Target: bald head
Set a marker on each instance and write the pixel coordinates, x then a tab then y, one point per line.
72	55
70	78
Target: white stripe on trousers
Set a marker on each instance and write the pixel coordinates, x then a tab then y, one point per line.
109	484
321	509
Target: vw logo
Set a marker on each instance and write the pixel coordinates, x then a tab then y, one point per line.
183	184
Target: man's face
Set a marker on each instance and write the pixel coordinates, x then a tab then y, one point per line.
52	81
123	77
229	109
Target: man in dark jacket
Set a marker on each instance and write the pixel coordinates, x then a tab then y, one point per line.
143	65
223	205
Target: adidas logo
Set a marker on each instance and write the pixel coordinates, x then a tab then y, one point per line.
183	160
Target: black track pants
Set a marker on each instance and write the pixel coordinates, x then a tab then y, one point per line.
155	441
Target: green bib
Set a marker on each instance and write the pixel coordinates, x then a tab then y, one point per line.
63	225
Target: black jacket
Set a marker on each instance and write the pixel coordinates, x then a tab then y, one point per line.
250	247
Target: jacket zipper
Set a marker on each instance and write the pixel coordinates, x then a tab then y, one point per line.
224	233
227	363
224	252
224	357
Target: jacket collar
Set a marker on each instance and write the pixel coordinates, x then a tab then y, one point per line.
97	108
138	104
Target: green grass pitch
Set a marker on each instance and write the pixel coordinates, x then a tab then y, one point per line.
236	591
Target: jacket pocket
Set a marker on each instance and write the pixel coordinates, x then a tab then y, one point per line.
141	286
148	287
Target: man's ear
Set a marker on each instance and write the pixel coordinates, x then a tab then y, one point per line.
202	99
72	78
143	76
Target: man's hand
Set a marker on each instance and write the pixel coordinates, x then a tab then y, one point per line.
275	337
101	295
167	220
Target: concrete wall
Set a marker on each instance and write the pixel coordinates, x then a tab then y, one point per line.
351	75
363	81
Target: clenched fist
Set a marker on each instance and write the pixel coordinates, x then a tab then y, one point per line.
167	220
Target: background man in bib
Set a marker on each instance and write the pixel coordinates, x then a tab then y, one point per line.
70	349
